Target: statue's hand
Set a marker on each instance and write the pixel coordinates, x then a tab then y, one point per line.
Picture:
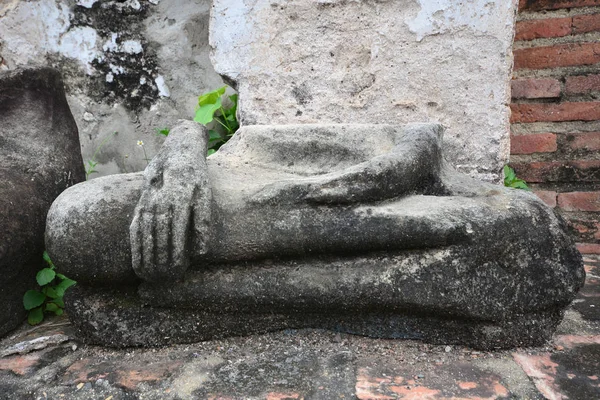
171	219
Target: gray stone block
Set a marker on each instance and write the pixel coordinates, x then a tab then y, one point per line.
39	158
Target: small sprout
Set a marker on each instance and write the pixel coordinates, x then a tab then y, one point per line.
164	131
210	108
50	298
511	180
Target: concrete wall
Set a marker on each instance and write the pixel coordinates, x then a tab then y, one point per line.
130	67
375	61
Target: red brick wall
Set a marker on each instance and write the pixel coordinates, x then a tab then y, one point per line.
555	141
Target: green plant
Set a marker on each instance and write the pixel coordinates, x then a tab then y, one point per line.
141	144
163	131
90	167
50	297
511	180
210	108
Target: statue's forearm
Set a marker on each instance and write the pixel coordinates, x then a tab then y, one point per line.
414	160
185	144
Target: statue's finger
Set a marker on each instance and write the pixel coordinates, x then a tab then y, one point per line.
201	219
148	229
135	238
163	244
179	238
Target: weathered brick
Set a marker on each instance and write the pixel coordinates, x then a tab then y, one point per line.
547	196
543	28
537	5
589	141
586	23
582	84
534	143
579	201
588	248
559	171
560	55
535	88
584	227
550	112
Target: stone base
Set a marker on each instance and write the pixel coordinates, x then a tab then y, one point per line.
118	318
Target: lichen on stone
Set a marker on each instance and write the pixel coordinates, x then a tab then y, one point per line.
127	68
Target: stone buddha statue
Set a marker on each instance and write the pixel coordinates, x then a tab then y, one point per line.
358	228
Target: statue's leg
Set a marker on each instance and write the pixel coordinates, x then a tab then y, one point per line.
87	229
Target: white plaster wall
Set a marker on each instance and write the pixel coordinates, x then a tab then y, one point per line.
382	61
166	51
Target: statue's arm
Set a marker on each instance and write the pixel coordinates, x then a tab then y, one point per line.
414	161
172	216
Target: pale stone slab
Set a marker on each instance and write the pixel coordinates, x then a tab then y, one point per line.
372	61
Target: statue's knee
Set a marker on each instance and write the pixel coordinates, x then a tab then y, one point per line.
87	229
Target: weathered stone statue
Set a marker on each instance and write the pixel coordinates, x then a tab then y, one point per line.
359	228
39	158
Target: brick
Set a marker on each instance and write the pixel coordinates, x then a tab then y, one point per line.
560	55
538	5
556	171
125	374
589	141
22	364
547	196
588	248
582	84
584	227
543	28
579	201
535	88
586	23
534	143
551	112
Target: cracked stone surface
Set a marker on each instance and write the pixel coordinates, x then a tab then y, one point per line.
130	67
307	364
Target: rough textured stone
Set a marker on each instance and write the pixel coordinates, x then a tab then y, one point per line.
307	363
314	226
130	67
375	62
39	158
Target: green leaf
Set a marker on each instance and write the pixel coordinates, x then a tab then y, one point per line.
210	151
35	316
33	299
234	100
205	113
52	307
509	174
211	97
61	276
164	131
45	276
59	311
50	292
47	259
520	184
214	135
234	126
59	302
63	286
